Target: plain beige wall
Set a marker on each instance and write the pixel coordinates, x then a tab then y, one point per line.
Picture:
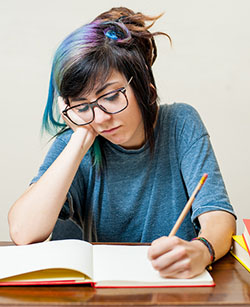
208	67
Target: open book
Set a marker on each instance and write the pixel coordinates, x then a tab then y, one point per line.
79	262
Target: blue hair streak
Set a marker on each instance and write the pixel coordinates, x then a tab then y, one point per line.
51	121
116	31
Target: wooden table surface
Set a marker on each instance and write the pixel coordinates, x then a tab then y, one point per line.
232	289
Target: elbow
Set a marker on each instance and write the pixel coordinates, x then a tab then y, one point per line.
17	233
19	237
22	235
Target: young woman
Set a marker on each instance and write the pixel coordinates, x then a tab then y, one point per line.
124	167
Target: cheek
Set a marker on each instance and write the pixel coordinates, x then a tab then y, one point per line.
135	115
133	111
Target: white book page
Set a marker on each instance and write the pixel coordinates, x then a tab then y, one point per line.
130	265
119	262
69	254
241	253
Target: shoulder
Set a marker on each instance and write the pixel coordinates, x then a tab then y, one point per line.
181	116
61	139
59	142
179	111
182	123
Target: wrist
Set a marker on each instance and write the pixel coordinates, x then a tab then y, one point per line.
83	139
207	247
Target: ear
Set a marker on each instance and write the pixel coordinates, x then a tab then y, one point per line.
153	94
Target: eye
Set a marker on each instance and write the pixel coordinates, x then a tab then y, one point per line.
112	96
82	108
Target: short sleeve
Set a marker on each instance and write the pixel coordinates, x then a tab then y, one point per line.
56	148
196	158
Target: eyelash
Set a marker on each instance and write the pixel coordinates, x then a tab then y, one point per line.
113	97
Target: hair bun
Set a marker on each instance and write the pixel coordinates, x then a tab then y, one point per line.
111	34
116	31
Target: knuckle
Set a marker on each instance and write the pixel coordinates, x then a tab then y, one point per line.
164	237
156	265
175	240
186	274
164	274
187	265
182	252
150	253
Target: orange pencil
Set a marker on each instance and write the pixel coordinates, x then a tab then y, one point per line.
188	206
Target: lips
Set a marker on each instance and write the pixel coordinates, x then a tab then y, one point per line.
110	130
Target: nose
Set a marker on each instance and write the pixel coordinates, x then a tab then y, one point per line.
101	116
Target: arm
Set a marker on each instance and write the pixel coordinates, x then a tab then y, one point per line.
174	257
34	214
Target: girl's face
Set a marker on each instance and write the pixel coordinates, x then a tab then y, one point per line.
125	128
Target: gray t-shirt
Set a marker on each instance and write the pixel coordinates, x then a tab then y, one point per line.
139	197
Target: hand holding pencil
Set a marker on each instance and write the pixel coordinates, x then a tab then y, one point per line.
172	256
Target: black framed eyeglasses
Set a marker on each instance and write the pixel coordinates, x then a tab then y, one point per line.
111	103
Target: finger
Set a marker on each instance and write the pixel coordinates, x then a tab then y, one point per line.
178	273
162	245
73	116
62	106
178	268
168	259
155	250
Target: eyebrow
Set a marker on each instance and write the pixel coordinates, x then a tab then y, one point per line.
97	92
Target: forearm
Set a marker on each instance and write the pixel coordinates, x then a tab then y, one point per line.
218	227
174	257
34	214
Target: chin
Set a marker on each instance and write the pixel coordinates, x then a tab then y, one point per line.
118	142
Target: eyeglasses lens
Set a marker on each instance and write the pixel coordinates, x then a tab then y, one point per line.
111	103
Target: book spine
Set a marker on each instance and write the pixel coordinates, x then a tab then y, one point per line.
44	283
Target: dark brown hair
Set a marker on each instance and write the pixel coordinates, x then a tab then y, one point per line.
118	39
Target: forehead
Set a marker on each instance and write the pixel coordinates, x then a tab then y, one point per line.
96	85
